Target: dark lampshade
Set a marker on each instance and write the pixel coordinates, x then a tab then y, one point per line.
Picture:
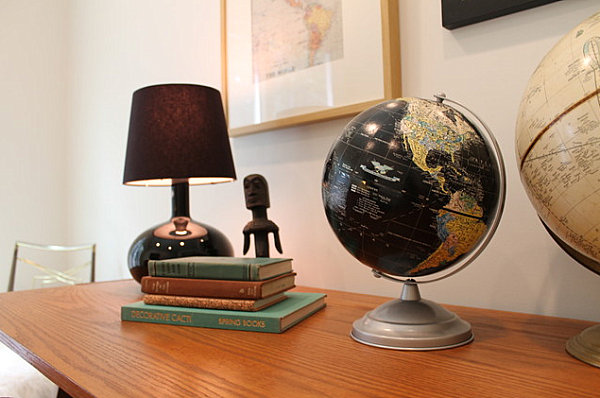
177	137
177	133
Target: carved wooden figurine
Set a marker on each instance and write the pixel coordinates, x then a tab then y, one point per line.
256	192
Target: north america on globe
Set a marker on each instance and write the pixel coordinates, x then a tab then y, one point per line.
410	186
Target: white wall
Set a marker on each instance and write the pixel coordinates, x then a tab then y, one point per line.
33	80
116	47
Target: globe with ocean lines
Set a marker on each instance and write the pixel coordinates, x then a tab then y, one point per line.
411	187
558	142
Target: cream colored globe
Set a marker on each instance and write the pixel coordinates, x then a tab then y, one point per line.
558	140
558	154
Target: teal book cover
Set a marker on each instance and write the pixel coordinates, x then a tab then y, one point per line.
274	319
230	268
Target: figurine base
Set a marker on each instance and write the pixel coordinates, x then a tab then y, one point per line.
411	323
586	346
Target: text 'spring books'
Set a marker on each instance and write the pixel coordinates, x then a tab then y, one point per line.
274	319
218	287
232	268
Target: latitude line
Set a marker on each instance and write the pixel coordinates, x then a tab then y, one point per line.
553	122
564	149
460	213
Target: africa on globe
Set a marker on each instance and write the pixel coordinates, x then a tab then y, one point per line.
411	187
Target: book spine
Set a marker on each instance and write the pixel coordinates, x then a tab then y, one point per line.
214	320
200	302
201	287
239	272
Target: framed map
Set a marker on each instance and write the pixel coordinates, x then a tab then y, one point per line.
290	62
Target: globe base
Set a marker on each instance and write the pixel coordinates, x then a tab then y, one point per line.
586	346
411	323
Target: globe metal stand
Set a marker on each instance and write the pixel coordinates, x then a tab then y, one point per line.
535	141
411	323
586	346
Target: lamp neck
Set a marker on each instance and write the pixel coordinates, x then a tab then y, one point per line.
180	200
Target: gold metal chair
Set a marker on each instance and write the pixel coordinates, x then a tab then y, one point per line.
45	275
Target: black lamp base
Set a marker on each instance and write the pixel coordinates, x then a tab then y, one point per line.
179	237
170	240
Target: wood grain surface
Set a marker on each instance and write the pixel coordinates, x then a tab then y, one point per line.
74	336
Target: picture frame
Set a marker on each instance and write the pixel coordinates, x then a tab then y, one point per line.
291	83
458	13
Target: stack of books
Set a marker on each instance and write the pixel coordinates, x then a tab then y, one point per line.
223	292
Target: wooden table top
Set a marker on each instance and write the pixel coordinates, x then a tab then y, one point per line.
74	336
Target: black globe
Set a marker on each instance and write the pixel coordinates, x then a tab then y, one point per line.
412	188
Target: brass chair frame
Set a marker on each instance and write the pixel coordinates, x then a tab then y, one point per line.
53	275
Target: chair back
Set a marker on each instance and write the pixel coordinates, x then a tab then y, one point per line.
52	265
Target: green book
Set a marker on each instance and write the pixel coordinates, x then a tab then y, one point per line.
274	319
230	268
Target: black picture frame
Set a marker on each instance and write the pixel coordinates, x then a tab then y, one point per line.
458	13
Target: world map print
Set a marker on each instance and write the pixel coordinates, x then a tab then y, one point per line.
291	35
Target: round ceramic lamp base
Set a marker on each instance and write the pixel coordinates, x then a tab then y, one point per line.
586	346
163	242
179	237
411	323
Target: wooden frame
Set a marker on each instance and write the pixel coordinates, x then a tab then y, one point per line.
385	68
457	13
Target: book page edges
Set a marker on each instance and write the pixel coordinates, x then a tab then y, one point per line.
302	313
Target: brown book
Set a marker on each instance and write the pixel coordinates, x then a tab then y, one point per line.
219	288
213	303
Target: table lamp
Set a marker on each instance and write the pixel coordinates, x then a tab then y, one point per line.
177	137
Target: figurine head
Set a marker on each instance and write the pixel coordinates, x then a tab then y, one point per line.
256	191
